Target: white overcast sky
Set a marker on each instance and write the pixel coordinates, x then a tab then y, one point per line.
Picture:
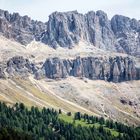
41	9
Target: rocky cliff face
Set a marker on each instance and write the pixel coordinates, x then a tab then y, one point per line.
2	74
67	29
20	66
127	34
120	34
110	69
21	29
115	69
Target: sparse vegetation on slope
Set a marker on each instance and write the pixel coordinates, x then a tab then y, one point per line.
91	97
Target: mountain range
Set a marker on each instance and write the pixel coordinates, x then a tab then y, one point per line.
120	34
73	61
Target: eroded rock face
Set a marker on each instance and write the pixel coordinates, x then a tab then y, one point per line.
20	66
66	29
127	33
115	69
121	34
2	74
112	69
55	68
21	29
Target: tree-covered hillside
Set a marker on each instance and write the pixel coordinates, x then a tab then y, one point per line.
21	123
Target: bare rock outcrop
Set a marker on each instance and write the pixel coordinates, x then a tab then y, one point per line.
115	69
66	29
21	29
20	66
2	74
120	34
55	68
110	69
127	34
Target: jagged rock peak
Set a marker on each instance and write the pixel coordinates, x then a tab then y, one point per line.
20	28
66	29
121	34
64	13
127	33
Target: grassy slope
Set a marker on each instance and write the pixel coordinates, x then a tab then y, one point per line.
21	90
37	93
69	119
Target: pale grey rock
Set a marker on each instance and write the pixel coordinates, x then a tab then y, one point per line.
66	29
2	74
116	72
121	34
20	66
115	69
55	68
21	29
99	29
39	74
127	33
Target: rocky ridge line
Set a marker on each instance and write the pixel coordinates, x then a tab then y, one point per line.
21	29
66	29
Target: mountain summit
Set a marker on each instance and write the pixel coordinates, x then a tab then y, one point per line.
66	29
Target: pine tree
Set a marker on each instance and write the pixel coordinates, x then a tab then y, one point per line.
60	112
